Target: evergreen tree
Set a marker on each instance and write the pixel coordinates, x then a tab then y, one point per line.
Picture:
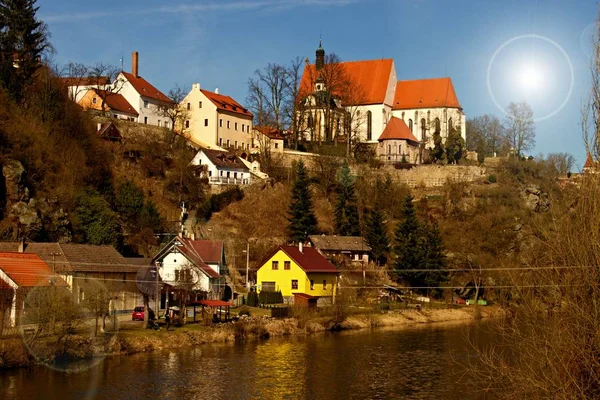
437	153
376	236
434	257
129	201
455	145
301	215
23	40
409	245
346	211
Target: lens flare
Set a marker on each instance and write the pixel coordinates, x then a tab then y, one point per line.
530	78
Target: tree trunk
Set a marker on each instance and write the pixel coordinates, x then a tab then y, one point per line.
146	309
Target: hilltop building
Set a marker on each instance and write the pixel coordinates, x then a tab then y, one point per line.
359	98
221	167
214	119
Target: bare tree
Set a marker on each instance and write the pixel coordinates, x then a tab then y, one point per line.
292	104
76	77
487	136
267	93
561	163
175	112
520	127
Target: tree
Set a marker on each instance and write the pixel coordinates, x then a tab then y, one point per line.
175	112
376	236
291	104
435	259
98	223
438	151
301	215
520	127
486	136
346	210
129	201
23	41
454	145
408	246
560	163
267	93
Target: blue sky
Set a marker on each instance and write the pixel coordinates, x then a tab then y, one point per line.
219	43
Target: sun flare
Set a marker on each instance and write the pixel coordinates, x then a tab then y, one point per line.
530	77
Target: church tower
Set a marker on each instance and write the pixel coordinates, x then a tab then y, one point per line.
320	60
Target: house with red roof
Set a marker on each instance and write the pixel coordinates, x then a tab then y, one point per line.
221	167
397	143
216	120
266	138
301	273
359	98
192	268
19	274
145	98
108	103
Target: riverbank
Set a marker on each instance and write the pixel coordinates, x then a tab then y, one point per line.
14	352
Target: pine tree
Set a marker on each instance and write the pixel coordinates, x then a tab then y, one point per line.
455	145
23	40
409	245
434	257
301	215
376	236
438	152
346	211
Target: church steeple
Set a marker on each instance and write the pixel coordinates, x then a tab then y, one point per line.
320	60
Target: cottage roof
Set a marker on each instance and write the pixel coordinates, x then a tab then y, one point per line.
109	130
144	88
192	250
309	259
341	243
396	129
211	251
270	132
371	78
425	93
28	270
76	257
226	103
85	80
589	162
224	159
115	101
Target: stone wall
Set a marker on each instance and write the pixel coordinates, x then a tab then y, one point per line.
430	175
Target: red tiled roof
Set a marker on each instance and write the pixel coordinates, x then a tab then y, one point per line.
224	159
108	130
28	270
310	260
396	129
270	132
85	80
210	303
190	251
116	101
211	251
370	76
425	93
589	162
226	103
144	88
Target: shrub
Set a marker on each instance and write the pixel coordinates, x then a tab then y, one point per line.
267	297
492	178
252	299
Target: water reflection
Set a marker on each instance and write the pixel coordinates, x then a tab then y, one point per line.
412	363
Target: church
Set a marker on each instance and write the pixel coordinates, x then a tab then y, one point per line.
365	99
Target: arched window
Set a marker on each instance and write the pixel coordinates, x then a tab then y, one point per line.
402	115
369	125
410	124
449	124
389	149
384	118
437	125
423	129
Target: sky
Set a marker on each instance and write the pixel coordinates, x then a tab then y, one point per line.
494	51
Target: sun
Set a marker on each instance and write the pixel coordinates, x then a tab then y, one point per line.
530	78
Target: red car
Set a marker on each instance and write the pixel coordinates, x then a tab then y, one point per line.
138	314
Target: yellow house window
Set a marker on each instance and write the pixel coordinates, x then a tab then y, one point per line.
286	266
275	264
324	284
312	284
294	284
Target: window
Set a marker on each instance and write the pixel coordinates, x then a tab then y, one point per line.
94	100
437	125
205	121
228	174
449	124
235	175
228	124
145	120
410	124
227	142
189	106
276	145
423	129
145	103
312	284
286	265
389	149
220	122
402	115
235	126
294	284
268	286
220	141
324	284
275	265
235	145
199	104
187	123
242	127
369	125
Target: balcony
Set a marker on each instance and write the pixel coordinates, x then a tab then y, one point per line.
221	180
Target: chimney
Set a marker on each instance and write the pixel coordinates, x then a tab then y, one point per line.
134	63
217	90
21	245
300	247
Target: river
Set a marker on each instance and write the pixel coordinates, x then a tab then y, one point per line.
414	363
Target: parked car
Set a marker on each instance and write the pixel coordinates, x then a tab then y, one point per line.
138	314
460	300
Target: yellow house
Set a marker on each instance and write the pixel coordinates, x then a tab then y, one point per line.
300	273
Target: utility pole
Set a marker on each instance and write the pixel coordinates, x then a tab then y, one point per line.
247	264
53	260
156	300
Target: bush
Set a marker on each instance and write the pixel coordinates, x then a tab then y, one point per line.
266	297
252	299
492	178
217	202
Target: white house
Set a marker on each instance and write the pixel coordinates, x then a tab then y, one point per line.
216	119
77	87
182	263
266	137
221	167
143	97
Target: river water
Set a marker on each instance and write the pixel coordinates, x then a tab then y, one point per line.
413	363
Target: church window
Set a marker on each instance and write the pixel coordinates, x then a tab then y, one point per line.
402	115
410	124
423	129
384	118
389	149
449	124
437	125
369	125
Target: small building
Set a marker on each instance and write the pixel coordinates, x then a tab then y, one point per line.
108	103
266	137
216	119
183	270
353	248
19	274
109	131
298	270
221	167
590	166
78	86
397	144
